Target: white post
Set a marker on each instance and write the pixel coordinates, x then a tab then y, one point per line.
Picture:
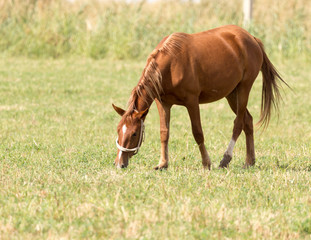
247	10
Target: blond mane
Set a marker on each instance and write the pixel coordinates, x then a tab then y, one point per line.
151	79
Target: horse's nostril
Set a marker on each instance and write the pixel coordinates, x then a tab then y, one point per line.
122	166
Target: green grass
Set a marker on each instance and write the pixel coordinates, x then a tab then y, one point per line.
57	180
119	30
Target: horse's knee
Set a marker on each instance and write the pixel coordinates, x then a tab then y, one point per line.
198	137
164	135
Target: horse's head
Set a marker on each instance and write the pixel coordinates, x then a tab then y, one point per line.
130	134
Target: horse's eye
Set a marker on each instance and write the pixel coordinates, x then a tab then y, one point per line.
134	135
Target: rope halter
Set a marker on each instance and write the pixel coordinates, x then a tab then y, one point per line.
141	139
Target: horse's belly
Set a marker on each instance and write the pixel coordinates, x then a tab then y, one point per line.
207	97
211	91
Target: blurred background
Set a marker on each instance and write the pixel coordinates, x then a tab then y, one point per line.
131	29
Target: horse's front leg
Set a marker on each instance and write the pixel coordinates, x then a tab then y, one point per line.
194	113
164	113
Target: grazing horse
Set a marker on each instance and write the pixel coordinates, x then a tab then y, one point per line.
190	69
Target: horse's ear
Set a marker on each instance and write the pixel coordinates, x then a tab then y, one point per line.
120	111
142	114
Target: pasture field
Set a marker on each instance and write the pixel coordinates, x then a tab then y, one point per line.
57	180
122	30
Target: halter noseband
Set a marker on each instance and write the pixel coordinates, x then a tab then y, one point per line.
141	139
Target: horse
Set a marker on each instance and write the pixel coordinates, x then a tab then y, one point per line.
192	69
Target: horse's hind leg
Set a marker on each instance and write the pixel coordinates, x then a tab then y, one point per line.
250	148
194	113
247	124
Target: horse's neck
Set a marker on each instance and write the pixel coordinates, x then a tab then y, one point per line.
148	88
143	101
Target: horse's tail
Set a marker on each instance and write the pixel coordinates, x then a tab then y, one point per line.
270	88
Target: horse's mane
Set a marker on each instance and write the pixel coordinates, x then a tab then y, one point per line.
151	79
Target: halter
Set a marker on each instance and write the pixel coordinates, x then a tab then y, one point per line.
141	139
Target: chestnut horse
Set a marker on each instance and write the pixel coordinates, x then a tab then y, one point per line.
190	69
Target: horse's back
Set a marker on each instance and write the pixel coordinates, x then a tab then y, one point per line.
225	46
211	64
228	52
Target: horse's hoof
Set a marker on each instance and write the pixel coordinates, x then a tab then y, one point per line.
225	161
207	167
160	167
247	165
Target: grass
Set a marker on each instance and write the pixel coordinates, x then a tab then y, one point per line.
58	130
119	30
